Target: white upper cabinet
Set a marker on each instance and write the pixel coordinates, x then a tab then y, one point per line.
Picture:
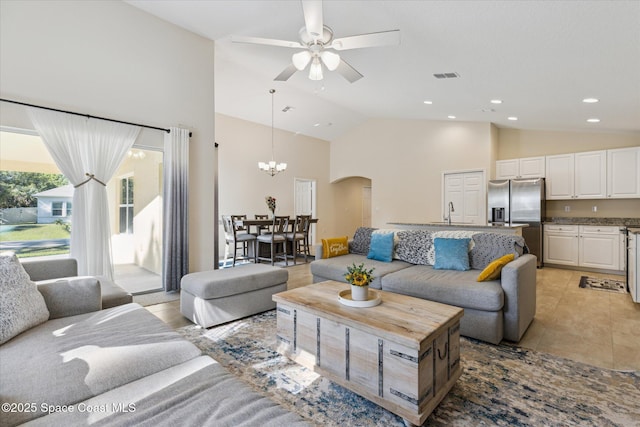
577	176
591	175
560	177
528	167
623	173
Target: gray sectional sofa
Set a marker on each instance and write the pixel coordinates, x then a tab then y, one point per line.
118	366
493	310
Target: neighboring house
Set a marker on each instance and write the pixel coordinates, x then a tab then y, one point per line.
55	204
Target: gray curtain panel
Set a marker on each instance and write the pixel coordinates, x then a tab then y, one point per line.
175	208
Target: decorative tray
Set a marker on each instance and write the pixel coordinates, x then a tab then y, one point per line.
345	298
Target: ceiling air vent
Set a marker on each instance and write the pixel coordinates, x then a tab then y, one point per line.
446	75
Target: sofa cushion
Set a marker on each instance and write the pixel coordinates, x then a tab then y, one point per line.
335	268
233	281
361	241
74	358
458	288
490	246
199	392
451	254
335	246
72	296
492	271
381	248
21	305
413	246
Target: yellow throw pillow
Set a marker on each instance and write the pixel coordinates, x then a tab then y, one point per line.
492	271
335	247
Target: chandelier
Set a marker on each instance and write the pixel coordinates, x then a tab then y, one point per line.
271	167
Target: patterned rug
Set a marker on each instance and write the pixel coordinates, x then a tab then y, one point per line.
500	385
611	285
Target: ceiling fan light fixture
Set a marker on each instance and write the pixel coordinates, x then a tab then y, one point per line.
330	59
301	59
315	71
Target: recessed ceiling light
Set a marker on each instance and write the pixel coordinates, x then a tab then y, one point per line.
496	101
316	125
593	120
513	118
451	117
590	100
428	102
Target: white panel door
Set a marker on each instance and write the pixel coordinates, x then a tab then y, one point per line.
591	175
474	210
366	206
466	190
305	201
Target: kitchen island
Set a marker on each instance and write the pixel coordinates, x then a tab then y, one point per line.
512	229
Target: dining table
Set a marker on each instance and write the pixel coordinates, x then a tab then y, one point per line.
248	223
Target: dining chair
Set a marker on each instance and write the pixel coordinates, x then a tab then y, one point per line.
237	240
299	237
277	240
260	229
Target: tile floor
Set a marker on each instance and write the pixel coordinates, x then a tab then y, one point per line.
594	327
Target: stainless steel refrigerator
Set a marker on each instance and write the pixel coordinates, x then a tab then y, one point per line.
523	201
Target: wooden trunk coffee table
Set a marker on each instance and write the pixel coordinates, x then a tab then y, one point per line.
403	354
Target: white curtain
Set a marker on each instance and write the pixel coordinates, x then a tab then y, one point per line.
88	152
175	208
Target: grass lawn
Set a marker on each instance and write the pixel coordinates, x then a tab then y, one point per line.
24	232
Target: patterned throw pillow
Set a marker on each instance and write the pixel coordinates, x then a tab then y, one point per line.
21	305
335	247
490	246
361	241
413	246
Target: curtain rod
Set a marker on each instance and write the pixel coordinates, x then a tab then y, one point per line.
86	115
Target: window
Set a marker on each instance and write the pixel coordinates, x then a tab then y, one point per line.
57	208
126	205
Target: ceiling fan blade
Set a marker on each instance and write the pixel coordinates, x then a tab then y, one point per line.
348	72
269	42
286	73
384	38
312	10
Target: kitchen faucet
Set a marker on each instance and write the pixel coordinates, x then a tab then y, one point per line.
451	209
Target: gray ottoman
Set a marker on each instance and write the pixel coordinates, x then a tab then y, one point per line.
209	298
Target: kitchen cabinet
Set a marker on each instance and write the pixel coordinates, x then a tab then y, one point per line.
577	175
528	167
583	246
599	247
561	244
623	173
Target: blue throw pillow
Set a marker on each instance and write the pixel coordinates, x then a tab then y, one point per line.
381	248
451	254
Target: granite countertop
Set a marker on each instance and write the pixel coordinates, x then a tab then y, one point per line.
634	230
620	222
460	224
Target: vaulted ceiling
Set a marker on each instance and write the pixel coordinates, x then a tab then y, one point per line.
540	58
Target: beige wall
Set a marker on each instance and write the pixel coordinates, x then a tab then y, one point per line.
405	160
112	60
515	143
243	187
347	205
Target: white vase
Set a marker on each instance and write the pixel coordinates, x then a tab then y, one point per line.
359	293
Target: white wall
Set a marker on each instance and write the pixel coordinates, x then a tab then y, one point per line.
109	59
243	187
405	160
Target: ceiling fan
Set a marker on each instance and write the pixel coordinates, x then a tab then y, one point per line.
317	42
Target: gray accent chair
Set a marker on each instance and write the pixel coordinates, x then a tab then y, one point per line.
50	271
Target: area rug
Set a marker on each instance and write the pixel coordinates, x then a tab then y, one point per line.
500	385
600	284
